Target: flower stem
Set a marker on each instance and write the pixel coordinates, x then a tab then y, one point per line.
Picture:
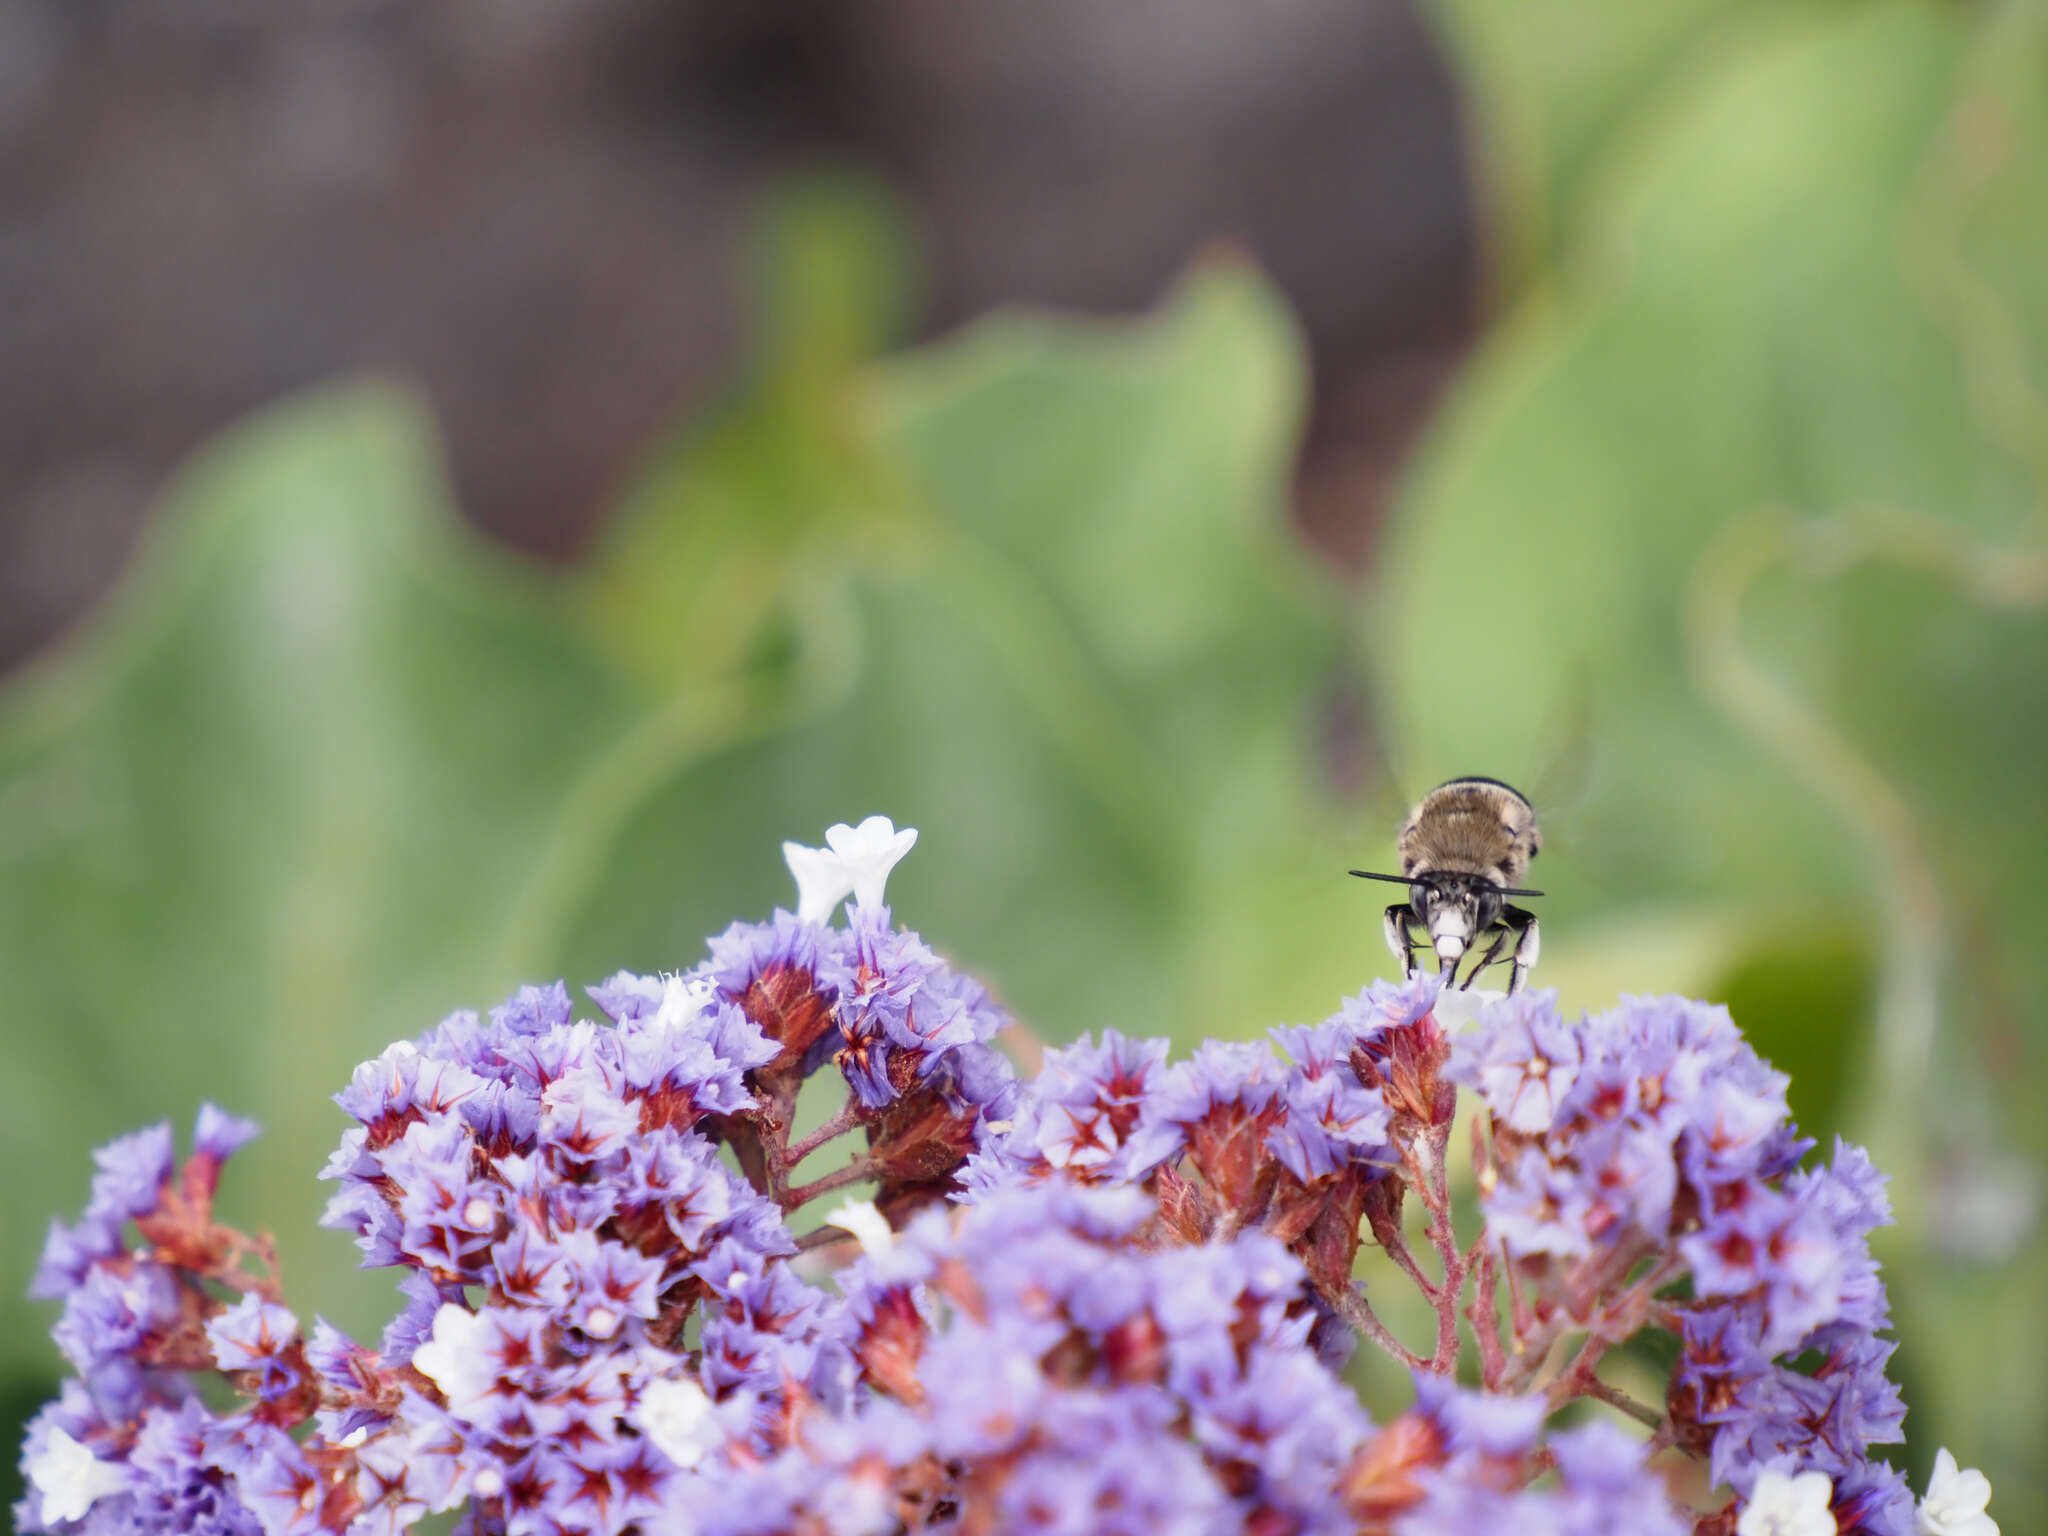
840	1123
860	1168
1350	1304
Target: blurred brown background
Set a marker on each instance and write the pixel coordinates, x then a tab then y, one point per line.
535	209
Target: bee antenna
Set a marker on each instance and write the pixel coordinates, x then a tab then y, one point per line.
1507	890
1367	874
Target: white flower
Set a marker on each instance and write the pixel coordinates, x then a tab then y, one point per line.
70	1478
1780	1505
684	998
458	1358
863	1506
1955	1501
855	861
869	1227
1457	1007
677	1416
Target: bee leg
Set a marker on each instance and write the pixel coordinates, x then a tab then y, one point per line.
1522	921
1401	936
1501	934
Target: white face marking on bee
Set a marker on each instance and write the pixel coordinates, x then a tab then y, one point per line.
1451	932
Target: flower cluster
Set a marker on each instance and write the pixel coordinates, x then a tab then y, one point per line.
1650	1143
1114	1299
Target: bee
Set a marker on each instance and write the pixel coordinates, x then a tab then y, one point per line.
1463	851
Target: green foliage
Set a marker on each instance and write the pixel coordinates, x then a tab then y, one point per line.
1759	476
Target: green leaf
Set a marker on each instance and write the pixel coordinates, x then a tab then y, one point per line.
1762	481
273	811
1559	90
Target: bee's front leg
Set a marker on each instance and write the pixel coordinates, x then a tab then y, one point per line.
1501	934
1401	935
1527	947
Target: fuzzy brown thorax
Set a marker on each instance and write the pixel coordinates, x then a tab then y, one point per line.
1471	827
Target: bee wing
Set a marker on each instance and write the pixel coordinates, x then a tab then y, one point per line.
1357	759
1565	769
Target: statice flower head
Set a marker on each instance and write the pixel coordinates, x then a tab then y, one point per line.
1046	1332
1114	1298
1085	1117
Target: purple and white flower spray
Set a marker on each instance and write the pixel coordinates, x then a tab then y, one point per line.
1115	1299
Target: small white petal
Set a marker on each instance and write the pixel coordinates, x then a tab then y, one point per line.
1780	1505
868	1226
1457	1007
822	880
70	1478
1956	1500
869	851
863	1507
457	1358
677	1416
683	998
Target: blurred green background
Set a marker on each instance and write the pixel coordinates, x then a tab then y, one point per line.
1728	541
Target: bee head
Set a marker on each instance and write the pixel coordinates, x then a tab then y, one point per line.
1455	909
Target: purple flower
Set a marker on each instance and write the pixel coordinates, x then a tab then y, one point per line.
1237	1074
404	1081
1608	1487
1522	1059
787	976
674	1180
179	1477
533	1010
258	1336
1111	1467
69	1254
134	1172
415	1321
1785	1247
676	1067
1630	1177
977	1080
1084	1117
584	1116
1727	1131
1873	1499
1329	1124
118	1311
531	1271
1131	1320
1542	1208
609	1283
1387	1005
625	996
1287	1417
219	1135
1490	1425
